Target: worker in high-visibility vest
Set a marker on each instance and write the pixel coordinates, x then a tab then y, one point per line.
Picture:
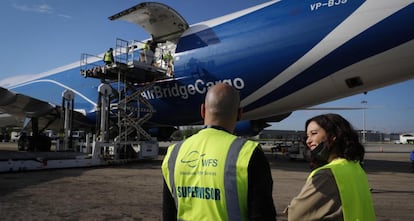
215	175
146	54
169	61
338	188
109	57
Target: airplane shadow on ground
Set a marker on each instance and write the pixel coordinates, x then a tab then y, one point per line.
13	181
374	166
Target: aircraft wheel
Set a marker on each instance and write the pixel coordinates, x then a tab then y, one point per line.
127	152
39	143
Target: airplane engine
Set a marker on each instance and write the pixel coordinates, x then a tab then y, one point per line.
250	128
254	127
37	142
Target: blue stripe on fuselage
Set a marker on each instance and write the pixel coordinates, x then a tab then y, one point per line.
267	42
50	88
387	34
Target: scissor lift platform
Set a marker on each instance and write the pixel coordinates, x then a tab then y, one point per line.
137	73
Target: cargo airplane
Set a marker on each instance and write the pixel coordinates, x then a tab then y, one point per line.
281	55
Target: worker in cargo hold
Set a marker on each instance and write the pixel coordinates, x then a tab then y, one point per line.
215	175
169	61
337	189
146	54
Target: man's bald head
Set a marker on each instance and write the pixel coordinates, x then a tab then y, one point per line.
221	105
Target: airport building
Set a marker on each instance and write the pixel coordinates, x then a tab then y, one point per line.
370	136
281	135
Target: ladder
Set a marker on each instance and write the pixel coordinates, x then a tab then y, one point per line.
129	108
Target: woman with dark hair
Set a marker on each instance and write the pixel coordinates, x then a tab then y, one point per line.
337	188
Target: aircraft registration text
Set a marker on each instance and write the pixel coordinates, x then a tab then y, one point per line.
330	3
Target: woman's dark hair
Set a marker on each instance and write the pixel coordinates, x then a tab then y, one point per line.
346	143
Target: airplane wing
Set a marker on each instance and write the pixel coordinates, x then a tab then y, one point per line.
14	108
7	120
161	21
21	106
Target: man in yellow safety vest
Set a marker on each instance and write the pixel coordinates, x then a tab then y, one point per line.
109	57
215	175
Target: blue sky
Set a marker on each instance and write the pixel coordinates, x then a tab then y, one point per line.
39	35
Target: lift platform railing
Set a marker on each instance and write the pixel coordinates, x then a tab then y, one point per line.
89	64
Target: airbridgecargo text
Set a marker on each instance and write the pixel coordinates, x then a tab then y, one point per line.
184	91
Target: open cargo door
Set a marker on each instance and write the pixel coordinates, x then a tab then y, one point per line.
159	20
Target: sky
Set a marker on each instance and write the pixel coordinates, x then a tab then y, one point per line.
40	35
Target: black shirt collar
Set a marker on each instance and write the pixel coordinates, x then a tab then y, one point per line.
217	128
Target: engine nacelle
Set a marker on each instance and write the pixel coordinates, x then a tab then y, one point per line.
250	128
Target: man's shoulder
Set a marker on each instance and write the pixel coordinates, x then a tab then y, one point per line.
252	143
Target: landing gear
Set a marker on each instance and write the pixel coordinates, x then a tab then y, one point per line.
37	142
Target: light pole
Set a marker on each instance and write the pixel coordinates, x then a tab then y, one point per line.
364	103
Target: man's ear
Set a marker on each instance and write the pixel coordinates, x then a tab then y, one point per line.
203	110
239	113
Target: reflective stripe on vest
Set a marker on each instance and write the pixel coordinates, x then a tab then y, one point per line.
171	166
230	178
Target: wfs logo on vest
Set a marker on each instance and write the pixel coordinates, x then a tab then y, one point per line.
193	158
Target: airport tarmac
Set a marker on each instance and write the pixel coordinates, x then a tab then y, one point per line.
134	191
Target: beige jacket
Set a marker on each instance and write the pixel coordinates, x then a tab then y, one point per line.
318	200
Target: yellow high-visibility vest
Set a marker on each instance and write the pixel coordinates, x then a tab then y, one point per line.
108	56
353	189
207	175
